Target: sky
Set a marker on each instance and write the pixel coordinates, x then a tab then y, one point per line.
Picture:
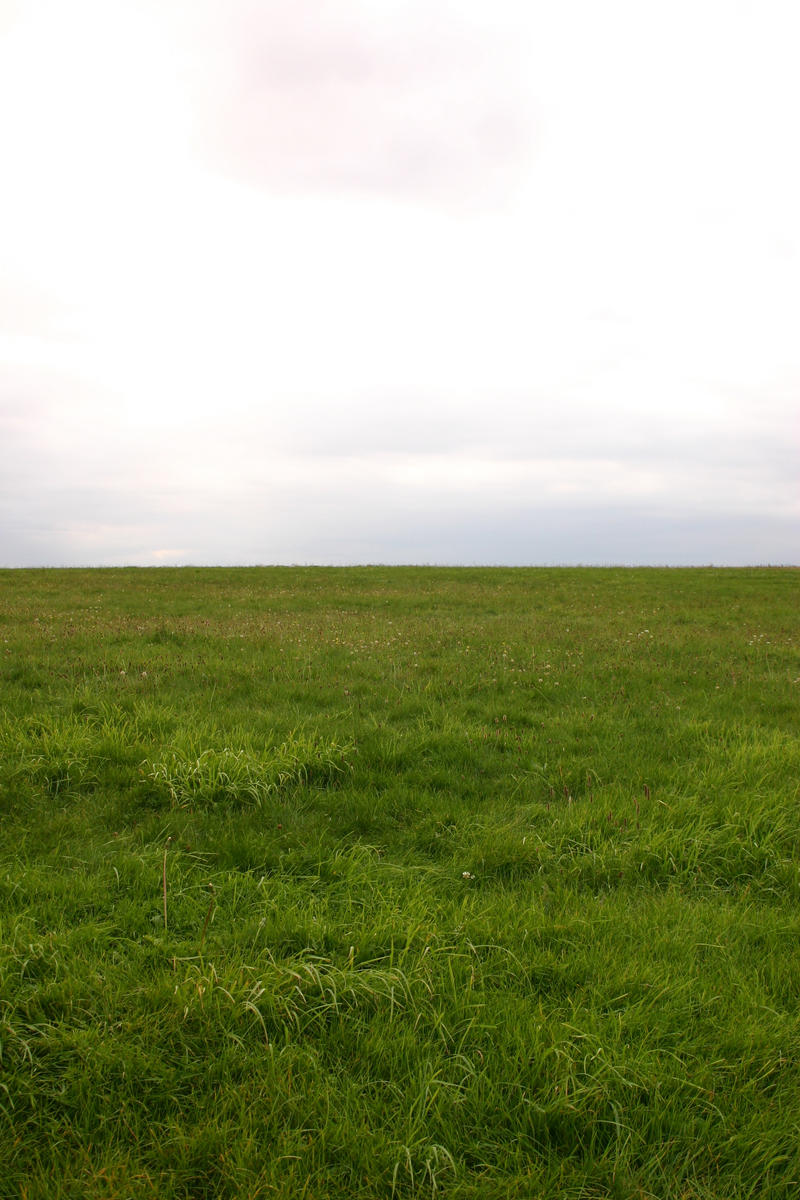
399	281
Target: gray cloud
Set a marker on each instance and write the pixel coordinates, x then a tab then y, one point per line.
72	495
649	536
338	531
522	426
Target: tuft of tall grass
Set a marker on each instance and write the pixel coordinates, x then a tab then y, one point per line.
243	777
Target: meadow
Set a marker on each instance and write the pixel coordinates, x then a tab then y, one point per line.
400	882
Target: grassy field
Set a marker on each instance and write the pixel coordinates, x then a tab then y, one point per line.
382	882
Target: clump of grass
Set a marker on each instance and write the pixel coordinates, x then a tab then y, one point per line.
243	777
57	756
66	753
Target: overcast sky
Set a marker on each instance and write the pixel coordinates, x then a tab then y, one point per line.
447	281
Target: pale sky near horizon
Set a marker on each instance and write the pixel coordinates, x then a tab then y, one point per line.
445	281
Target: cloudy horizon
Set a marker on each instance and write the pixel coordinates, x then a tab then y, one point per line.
399	282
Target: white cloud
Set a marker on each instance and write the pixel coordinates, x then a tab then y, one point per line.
418	100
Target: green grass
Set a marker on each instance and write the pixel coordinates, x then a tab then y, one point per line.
477	883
